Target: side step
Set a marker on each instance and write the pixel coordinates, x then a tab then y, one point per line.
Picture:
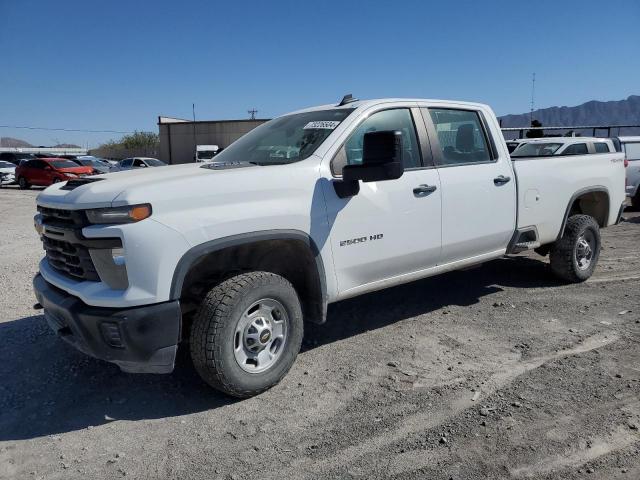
523	239
522	246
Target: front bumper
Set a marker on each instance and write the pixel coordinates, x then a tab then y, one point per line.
137	339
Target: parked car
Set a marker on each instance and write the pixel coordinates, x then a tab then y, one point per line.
630	146
15	157
140	162
7	173
513	144
228	259
98	165
547	146
47	171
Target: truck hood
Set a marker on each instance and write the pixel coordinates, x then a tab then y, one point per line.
159	186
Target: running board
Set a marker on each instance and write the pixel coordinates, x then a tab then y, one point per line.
522	246
523	239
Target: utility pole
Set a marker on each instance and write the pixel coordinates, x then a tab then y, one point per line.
252	112
533	98
193	111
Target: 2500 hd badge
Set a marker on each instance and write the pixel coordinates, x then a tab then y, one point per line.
353	241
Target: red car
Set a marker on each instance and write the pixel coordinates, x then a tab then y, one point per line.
46	171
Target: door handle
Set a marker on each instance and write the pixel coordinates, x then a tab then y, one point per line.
501	180
422	190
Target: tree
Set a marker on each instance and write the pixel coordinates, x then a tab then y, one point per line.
535	133
136	143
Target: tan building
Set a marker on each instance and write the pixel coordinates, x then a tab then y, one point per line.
178	137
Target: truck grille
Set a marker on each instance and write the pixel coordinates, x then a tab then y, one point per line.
62	218
72	260
67	250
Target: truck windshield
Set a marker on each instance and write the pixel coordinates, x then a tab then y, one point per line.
285	139
536	149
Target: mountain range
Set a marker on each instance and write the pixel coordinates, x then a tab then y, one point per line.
620	112
17	143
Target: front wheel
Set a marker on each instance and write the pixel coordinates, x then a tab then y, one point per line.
247	333
574	257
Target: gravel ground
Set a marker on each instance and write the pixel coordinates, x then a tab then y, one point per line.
495	372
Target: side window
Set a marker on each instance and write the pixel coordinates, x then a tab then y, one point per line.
138	163
396	119
576	149
126	162
632	151
601	147
461	136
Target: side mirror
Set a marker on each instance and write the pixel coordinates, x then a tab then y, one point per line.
47	167
381	160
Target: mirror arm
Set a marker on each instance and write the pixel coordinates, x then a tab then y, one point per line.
346	188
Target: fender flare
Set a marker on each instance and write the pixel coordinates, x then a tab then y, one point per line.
193	254
574	197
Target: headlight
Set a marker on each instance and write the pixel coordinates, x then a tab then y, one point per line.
126	214
70	175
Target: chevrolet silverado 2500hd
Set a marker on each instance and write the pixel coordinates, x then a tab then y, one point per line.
229	258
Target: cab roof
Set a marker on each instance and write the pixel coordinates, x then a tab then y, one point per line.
362	104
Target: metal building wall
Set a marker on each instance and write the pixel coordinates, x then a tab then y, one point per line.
178	140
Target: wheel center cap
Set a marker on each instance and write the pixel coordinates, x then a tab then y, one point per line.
265	336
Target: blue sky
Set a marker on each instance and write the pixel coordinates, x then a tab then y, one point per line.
117	65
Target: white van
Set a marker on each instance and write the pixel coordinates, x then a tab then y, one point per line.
205	153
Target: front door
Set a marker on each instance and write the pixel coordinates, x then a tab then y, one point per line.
391	227
478	184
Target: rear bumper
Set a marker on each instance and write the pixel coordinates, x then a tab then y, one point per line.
137	339
631	190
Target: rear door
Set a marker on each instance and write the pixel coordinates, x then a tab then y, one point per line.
34	172
390	228
478	184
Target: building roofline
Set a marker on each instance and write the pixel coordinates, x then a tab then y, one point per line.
182	122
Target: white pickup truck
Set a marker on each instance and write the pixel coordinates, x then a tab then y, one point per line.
229	258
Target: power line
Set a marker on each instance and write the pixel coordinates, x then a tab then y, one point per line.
64	129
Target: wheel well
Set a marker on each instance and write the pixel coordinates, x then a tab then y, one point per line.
290	258
595	204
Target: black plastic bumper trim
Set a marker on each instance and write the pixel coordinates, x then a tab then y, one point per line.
147	336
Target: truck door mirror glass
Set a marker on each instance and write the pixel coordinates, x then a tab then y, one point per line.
381	160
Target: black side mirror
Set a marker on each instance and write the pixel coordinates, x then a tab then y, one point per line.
381	160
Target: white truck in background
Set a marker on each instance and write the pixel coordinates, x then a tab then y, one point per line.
205	153
229	258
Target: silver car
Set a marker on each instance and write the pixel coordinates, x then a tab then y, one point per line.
631	147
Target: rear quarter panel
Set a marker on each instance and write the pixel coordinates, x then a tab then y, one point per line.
546	186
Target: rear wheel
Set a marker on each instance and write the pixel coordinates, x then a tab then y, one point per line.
247	333
574	257
24	185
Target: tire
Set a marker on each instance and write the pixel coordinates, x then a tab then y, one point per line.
570	260
635	200
24	185
222	330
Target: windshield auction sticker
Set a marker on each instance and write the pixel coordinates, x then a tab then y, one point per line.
321	125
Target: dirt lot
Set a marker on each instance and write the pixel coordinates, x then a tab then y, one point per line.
494	372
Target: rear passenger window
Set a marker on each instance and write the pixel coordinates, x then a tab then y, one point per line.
601	147
576	149
461	136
